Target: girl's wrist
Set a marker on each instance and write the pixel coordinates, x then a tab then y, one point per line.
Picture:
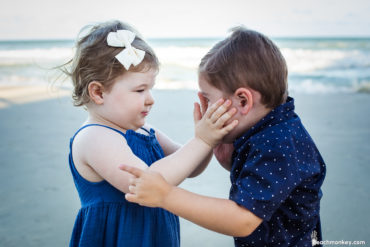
203	142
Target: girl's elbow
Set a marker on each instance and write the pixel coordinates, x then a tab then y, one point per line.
195	173
248	226
243	232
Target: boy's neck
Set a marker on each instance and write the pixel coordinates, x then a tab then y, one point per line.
261	113
256	116
246	123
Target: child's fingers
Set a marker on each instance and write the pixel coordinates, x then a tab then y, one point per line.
231	126
133	170
196	113
132	189
213	108
225	117
203	102
131	197
220	111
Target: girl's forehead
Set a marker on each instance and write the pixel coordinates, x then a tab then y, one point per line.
137	78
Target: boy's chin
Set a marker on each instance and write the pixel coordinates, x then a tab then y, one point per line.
233	135
229	138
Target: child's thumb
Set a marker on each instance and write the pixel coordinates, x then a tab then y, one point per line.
197	114
130	197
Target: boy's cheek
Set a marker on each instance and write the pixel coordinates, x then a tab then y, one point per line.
229	138
232	119
236	116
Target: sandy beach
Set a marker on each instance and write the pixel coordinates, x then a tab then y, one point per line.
39	202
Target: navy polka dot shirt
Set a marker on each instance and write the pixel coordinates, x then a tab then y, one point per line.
276	174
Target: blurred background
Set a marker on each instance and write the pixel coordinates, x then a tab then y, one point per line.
327	48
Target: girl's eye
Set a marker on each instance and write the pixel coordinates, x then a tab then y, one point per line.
140	90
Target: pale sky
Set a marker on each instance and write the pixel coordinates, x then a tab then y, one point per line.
40	19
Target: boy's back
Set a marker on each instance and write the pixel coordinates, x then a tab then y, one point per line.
277	173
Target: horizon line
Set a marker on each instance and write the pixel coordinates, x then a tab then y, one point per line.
203	37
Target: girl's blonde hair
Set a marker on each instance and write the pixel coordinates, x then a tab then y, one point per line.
94	60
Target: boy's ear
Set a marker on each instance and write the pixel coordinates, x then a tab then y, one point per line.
244	99
96	90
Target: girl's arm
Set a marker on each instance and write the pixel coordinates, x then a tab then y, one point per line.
222	151
219	215
103	155
167	144
169	147
209	131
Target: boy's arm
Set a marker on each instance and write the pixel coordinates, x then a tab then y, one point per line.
220	215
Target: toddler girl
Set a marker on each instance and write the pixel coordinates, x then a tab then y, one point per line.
113	72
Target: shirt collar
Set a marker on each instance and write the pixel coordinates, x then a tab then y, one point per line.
279	114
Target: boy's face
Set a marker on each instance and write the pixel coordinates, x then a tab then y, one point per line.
211	94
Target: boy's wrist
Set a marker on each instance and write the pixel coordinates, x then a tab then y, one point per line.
167	197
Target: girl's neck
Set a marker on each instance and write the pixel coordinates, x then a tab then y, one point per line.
96	119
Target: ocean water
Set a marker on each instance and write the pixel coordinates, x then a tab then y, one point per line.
316	65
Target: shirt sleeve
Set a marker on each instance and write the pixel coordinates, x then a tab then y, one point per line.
265	178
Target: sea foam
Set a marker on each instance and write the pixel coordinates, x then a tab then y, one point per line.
314	65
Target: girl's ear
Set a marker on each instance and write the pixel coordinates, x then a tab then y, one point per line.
244	99
96	90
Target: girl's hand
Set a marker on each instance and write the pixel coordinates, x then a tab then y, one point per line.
203	103
210	127
148	188
223	153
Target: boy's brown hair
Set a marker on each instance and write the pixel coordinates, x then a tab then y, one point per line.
94	60
247	59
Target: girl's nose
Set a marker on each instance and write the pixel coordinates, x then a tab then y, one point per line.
149	99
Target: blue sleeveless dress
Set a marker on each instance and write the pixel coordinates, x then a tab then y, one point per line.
107	219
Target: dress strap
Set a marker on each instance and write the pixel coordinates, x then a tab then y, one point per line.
147	131
101	125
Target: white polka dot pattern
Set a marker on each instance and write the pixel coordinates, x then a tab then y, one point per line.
277	174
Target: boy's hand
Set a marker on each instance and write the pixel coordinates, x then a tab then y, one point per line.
210	127
223	153
148	188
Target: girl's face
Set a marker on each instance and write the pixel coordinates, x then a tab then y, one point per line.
130	100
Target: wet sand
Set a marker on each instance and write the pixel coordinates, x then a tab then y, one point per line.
39	202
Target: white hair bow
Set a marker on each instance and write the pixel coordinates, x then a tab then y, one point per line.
129	55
